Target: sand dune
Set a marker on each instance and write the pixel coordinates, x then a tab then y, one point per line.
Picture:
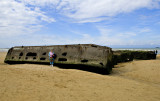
132	81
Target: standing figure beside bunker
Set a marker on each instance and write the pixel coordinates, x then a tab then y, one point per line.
51	58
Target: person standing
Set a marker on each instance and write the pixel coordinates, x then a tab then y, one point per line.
51	59
156	52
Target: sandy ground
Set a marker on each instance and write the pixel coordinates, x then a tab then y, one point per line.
132	81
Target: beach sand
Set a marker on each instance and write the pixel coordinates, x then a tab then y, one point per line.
138	80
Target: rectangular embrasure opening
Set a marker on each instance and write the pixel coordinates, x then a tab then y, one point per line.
62	59
42	58
84	60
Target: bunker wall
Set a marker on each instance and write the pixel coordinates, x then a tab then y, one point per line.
85	54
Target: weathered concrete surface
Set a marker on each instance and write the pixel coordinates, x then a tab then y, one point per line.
82	54
128	55
122	56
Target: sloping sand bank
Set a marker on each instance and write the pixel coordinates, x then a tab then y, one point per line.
132	81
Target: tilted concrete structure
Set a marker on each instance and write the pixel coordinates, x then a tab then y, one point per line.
82	54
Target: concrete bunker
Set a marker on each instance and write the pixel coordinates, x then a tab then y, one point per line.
89	55
129	55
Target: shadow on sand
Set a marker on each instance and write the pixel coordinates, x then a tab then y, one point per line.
92	69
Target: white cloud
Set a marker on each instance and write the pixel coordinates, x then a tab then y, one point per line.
145	30
93	10
17	19
36	39
40	2
127	34
108	36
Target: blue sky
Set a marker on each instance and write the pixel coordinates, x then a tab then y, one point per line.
114	23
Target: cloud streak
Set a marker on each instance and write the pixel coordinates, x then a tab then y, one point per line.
96	9
93	10
17	19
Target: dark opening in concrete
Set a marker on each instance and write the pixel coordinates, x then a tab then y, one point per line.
42	58
62	59
94	45
101	63
64	54
21	54
44	53
12	57
34	58
26	58
19	57
31	54
84	60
